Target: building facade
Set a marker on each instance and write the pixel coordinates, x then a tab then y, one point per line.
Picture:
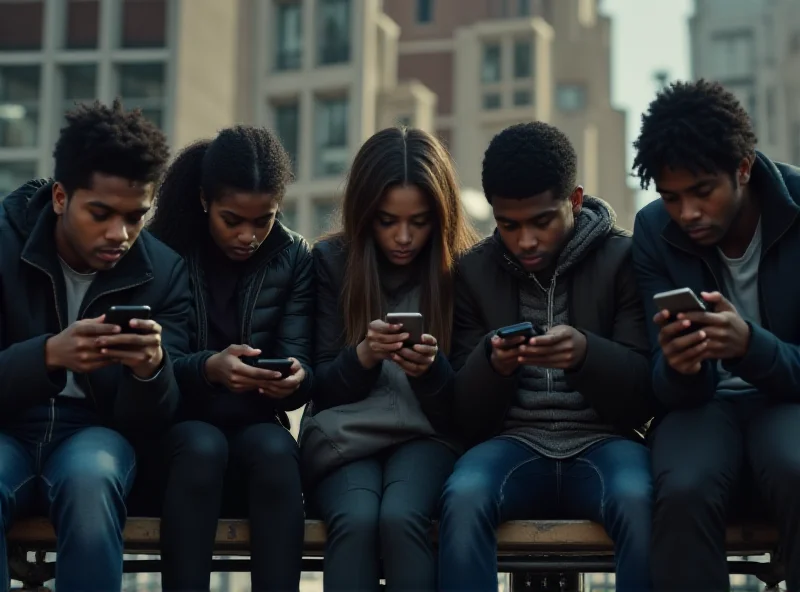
753	48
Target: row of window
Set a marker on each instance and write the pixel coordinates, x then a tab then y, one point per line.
139	85
142	24
570	98
332	34
492	63
426	9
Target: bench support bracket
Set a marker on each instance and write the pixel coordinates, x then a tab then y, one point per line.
546	582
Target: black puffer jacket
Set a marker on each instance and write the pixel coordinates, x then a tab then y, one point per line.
33	306
276	315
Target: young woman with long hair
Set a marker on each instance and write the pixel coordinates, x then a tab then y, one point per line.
252	281
402	230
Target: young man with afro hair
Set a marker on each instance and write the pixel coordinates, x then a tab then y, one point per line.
552	419
72	247
726	381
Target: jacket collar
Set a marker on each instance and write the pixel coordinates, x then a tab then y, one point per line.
778	209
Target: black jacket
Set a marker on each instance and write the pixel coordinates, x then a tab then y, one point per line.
667	259
340	377
603	303
33	307
276	315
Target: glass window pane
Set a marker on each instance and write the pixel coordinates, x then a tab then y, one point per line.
79	83
425	11
21	25
324	217
523	59
490	69
571	97
331	136
19	106
524	7
142	85
144	23
83	20
523	97
15	174
333	31
491	101
289	53
288	215
287	126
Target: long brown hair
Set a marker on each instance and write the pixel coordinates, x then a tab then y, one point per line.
390	158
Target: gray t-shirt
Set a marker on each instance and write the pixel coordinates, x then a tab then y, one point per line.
740	279
77	285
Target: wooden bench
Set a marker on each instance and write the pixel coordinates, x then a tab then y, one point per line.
529	550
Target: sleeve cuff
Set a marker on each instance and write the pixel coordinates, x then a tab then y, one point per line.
434	379
760	355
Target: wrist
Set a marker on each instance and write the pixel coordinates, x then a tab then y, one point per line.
211	369
51	358
364	355
149	368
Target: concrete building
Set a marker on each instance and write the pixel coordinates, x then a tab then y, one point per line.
753	48
326	74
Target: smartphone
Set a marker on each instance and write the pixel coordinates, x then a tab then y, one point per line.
281	365
526	330
680	300
122	316
412	324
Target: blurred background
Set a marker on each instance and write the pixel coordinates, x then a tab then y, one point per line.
327	74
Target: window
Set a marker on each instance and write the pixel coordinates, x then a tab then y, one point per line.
331	136
21	25
523	59
287	126
289	53
288	214
523	97
324	217
83	20
490	67
79	84
19	106
142	85
491	101
424	11
333	31
14	174
733	53
571	97
524	7
144	23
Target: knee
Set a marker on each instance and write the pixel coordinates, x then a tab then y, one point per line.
271	444
467	495
686	491
400	521
199	451
630	493
94	477
354	522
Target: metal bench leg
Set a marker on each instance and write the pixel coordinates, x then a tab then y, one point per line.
33	575
546	582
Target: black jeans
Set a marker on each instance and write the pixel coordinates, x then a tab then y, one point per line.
706	461
383	507
259	467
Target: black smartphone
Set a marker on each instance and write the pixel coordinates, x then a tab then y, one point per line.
122	316
281	365
526	330
412	324
680	300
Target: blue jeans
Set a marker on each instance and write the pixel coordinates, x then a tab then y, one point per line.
502	479
54	458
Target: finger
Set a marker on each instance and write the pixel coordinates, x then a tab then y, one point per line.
408	365
296	366
90	327
238	350
126	355
380	326
684	342
661	318
425	350
672	330
692	355
387	337
429	340
384	348
549	339
704	318
129	340
550	350
145	326
255	374
415	357
718	301
506	344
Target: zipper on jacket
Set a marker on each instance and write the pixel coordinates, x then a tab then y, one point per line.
55	292
48	433
763	309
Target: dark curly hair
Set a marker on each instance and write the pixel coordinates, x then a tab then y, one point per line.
695	126
110	140
527	159
240	158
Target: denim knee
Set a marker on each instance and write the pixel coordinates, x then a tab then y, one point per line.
468	495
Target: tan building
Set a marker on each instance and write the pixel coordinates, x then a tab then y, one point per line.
326	74
493	63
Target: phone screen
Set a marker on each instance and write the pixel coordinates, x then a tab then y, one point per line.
122	316
412	324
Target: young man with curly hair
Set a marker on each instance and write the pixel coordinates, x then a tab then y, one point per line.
552	418
72	247
726	381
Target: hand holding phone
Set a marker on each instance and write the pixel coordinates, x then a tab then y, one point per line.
411	322
382	340
138	343
239	369
506	344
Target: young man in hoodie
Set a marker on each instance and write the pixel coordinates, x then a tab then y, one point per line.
726	381
552	418
69	379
